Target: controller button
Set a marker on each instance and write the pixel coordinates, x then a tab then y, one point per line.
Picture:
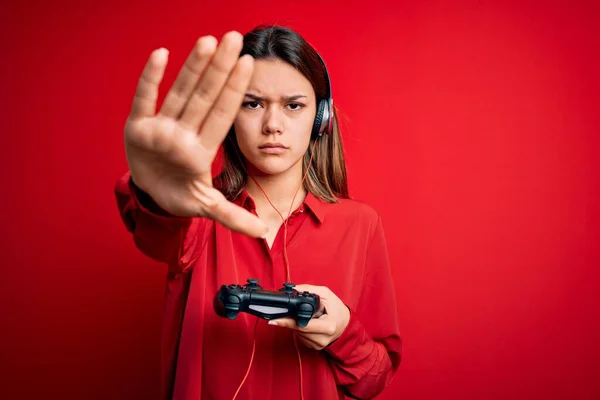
252	284
288	288
233	299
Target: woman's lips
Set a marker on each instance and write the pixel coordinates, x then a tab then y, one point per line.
273	150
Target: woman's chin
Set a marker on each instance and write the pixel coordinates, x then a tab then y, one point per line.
271	166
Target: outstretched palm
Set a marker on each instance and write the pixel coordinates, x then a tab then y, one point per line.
170	153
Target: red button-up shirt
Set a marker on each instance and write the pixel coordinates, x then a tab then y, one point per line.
204	356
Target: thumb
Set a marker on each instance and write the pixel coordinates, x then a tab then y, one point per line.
234	217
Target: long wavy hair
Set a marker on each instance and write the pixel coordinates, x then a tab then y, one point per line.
326	178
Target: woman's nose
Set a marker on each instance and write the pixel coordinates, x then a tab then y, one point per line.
273	122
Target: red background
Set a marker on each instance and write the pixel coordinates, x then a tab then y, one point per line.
472	127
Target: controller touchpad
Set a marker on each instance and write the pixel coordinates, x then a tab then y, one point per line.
268	309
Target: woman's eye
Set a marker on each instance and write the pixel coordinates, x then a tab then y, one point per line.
295	106
252	105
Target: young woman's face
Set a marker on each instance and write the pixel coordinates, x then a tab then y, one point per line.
274	125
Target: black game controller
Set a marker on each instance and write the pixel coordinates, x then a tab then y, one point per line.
267	304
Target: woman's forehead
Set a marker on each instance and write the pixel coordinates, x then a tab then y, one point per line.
275	78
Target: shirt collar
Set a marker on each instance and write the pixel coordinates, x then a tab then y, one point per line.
316	206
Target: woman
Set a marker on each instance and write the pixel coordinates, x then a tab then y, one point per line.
258	95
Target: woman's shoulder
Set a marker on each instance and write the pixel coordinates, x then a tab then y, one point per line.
355	209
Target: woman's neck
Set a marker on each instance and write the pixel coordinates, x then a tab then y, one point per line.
280	189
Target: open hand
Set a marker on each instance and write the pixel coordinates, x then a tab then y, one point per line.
170	153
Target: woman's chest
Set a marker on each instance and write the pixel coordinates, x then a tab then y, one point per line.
308	258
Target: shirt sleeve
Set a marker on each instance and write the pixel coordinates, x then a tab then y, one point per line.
156	233
367	354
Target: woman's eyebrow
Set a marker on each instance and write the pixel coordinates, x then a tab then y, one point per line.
286	98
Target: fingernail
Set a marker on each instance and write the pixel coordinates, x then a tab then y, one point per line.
163	53
273	323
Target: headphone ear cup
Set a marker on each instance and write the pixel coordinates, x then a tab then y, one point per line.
317	126
319	118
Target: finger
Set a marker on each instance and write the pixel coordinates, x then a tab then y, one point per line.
323	293
146	93
231	215
188	77
318	340
322	325
320	312
306	340
210	85
240	220
226	108
284	323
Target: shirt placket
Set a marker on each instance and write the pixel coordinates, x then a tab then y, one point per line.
277	256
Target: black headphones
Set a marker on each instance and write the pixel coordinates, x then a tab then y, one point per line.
324	117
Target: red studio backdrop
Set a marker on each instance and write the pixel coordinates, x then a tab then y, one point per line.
472	127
